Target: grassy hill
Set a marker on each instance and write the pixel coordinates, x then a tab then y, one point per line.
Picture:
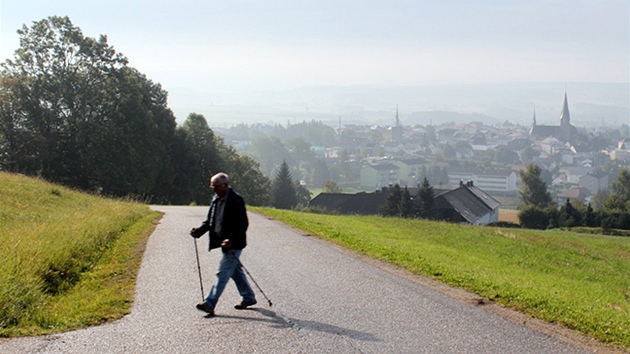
67	259
576	280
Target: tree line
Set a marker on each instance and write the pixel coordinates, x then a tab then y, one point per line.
401	203
74	112
538	211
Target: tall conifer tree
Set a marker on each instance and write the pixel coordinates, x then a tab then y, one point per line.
425	200
283	194
393	203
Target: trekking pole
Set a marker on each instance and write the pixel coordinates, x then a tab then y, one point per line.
199	270
254	280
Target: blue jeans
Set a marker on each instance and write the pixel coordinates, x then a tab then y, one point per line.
230	267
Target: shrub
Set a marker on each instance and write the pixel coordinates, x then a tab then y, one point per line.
614	219
532	217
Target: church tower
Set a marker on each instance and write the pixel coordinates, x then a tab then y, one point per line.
565	117
397	129
532	130
534	119
567	131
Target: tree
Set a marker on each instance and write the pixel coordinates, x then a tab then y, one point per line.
533	217
96	123
406	204
533	190
269	152
621	187
300	150
188	174
617	202
529	154
425	200
73	112
393	202
569	216
20	145
60	83
464	148
283	193
127	150
330	187
320	172
302	194
599	199
344	166
590	218
201	154
206	160
245	176
315	132
505	156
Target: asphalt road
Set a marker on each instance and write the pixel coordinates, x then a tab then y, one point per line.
325	300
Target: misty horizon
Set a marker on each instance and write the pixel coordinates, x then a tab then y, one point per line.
591	104
258	61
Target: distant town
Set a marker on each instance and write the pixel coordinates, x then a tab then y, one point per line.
577	163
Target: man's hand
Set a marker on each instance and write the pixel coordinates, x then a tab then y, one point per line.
226	244
194	232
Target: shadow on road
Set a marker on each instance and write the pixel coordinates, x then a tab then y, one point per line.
277	320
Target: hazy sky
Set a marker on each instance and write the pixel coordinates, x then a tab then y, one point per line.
199	47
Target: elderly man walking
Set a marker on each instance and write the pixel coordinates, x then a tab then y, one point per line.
227	224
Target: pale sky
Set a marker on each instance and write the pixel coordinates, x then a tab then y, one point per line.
196	48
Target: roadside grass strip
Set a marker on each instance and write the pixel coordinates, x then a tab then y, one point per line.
67	259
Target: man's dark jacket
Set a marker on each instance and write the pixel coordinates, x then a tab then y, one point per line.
235	222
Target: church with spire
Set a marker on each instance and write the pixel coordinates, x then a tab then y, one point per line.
565	132
397	130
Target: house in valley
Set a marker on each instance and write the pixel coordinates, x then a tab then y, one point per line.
467	204
489	179
361	203
377	176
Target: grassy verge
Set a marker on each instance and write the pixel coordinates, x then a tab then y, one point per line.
579	281
67	259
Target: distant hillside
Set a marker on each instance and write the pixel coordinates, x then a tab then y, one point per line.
591	104
438	117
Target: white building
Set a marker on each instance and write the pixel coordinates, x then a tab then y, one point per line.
491	180
375	177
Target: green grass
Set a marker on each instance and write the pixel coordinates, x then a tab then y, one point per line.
577	280
67	259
